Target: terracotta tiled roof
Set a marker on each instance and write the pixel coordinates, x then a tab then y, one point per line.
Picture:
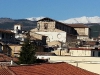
78	25
4	71
49	69
5	58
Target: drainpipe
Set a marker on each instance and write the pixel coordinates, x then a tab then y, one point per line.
60	52
77	63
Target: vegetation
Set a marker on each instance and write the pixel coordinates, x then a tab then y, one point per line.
27	54
95	30
7	23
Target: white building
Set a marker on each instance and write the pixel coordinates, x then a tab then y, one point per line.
84	52
54	36
19	33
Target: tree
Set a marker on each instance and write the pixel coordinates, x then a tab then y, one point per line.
27	54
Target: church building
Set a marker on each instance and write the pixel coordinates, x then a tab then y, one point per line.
55	31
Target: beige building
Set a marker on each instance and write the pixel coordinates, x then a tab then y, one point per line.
82	30
15	49
84	52
55	31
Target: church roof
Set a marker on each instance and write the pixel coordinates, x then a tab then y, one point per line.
46	19
78	25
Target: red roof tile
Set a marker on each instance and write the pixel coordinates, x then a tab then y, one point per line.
5	58
6	31
49	69
4	71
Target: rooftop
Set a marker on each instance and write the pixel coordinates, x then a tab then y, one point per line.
85	48
5	58
78	25
5	31
46	69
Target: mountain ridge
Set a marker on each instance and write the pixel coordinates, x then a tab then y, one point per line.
83	19
8	23
28	24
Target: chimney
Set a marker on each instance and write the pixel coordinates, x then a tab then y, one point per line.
11	62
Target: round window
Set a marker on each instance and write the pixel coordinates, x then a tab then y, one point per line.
59	36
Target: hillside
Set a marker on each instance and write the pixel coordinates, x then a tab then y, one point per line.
7	23
84	19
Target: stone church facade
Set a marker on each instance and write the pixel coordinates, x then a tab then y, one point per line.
55	31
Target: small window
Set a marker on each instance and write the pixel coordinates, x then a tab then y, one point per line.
45	25
68	50
47	39
17	27
2	35
38	26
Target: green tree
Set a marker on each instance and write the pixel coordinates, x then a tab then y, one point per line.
27	54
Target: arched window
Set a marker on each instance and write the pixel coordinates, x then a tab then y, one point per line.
47	39
38	26
17	27
45	25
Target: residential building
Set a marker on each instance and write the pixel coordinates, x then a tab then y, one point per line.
85	62
82	30
7	37
84	52
38	39
15	49
19	33
6	60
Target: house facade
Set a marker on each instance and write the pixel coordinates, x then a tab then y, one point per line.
6	36
19	33
82	30
15	49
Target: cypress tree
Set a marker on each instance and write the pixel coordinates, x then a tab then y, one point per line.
27	54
